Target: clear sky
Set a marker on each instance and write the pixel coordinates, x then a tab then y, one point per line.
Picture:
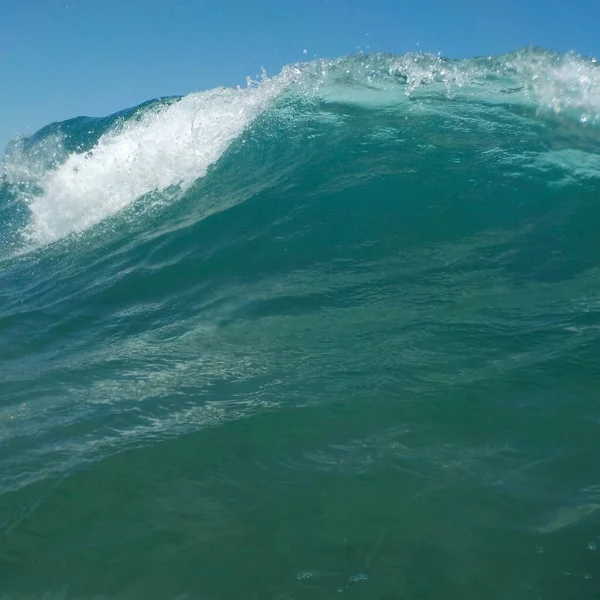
64	58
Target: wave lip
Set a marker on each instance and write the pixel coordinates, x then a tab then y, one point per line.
171	145
168	146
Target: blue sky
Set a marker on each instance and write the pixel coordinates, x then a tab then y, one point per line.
60	59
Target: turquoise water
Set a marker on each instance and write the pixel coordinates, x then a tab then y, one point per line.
334	334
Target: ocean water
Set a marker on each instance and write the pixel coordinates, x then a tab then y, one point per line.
333	334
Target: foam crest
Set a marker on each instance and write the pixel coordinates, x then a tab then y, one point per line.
168	146
546	80
561	83
173	145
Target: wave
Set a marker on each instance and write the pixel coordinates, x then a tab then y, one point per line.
73	175
399	226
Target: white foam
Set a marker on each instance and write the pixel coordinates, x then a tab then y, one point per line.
175	145
171	146
561	83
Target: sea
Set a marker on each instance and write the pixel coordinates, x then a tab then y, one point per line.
331	334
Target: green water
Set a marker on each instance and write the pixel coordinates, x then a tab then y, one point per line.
333	335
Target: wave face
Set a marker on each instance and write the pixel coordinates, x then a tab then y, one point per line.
335	331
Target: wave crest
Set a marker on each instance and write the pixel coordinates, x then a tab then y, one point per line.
81	172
